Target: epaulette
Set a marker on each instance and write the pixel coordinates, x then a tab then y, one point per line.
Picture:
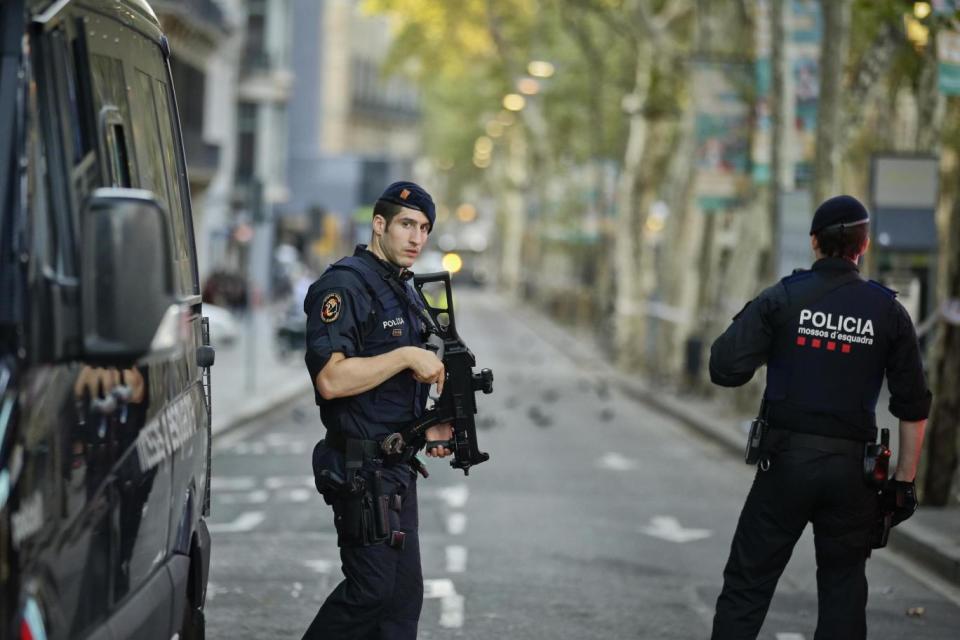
887	290
797	275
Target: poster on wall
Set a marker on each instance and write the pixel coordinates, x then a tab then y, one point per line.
723	133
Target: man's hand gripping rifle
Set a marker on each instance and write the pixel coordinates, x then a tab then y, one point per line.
457	403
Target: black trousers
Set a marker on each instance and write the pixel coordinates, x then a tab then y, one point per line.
382	592
802	485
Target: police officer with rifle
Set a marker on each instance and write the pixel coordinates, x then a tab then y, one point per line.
374	349
828	337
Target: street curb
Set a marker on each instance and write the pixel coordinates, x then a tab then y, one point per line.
285	397
934	550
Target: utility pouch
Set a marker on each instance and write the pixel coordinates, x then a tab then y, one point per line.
876	461
755	438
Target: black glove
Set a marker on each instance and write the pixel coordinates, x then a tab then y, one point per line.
901	500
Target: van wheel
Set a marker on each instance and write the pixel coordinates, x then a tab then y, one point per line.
194	625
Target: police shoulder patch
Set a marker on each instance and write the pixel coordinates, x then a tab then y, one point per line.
330	309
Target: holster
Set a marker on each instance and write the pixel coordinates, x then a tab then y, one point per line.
755	440
361	505
876	461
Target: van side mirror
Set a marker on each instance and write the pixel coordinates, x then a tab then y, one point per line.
129	305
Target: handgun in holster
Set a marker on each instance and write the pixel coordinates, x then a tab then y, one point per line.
755	437
876	473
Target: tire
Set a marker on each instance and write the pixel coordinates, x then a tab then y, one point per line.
194	626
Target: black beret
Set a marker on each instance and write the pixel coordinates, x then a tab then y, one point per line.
839	210
411	196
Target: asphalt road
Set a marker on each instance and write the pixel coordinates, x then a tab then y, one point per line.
594	518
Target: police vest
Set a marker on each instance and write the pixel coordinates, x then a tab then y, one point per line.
392	324
828	355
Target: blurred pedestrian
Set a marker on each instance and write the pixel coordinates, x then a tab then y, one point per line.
828	337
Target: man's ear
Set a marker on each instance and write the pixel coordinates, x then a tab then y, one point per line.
379	225
814	244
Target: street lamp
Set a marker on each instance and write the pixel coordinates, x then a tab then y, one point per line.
514	102
540	69
528	86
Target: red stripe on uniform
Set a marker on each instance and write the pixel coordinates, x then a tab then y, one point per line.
815	343
801	340
845	348
831	346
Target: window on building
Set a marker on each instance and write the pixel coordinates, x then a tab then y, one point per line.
246	141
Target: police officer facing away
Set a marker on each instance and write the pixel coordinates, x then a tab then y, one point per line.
371	377
827	337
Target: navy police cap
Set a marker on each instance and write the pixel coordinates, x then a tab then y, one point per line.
411	196
839	211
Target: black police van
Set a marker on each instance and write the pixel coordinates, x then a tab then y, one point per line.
104	357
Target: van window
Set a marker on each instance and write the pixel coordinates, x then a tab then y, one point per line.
110	91
160	169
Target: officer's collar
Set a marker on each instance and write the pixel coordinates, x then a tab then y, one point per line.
835	264
387	268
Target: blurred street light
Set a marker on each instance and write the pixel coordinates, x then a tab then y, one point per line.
514	102
494	128
483	146
481	163
466	212
540	69
921	10
452	262
528	86
506	118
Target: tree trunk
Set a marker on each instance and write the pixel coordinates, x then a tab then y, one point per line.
944	427
833	56
627	248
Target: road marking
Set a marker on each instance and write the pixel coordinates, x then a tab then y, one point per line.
455	496
246	521
456	523
280	482
669	528
790	636
451	603
456	559
319	565
253	497
299	495
235	483
616	462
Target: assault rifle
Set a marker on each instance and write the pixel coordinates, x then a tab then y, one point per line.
457	403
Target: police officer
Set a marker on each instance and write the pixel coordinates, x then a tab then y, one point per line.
371	377
827	337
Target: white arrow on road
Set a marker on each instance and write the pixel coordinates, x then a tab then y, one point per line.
669	528
455	495
246	521
616	462
790	636
451	602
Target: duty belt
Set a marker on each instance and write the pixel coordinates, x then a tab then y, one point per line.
369	449
781	439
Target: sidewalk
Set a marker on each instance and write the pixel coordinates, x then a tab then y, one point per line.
249	379
931	537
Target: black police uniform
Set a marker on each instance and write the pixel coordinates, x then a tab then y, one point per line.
357	308
827	337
